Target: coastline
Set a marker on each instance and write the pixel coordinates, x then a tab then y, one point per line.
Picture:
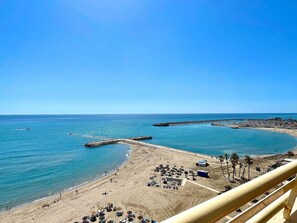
72	188
48	209
89	196
280	130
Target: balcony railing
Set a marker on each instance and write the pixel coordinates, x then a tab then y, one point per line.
220	206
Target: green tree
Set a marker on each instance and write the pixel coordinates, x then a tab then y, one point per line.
249	161
226	156
240	167
234	160
221	158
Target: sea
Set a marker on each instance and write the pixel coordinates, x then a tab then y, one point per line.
39	157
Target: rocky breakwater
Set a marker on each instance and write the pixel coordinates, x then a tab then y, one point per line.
101	143
113	141
214	122
141	138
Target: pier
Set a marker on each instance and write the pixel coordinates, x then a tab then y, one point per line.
114	141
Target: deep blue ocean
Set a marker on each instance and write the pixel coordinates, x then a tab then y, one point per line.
47	160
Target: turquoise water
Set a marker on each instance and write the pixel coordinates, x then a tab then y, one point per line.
47	160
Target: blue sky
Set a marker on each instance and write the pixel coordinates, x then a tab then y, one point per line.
155	56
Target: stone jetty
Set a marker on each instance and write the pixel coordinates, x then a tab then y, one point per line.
113	141
141	138
101	143
164	124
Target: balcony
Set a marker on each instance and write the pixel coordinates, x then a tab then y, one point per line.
278	206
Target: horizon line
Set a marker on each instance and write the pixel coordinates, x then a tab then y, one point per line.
155	113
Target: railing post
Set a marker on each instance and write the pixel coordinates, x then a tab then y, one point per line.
291	200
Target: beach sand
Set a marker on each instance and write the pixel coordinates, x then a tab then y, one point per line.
292	132
128	188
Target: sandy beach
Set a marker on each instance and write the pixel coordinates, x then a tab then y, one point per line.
292	132
127	188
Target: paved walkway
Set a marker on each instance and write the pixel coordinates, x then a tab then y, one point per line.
208	188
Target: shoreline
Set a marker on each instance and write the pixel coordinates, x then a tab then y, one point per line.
34	207
72	188
280	130
21	211
128	158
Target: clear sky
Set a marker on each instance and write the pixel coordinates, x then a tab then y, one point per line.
154	56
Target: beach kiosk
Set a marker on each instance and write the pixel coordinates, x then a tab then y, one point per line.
202	173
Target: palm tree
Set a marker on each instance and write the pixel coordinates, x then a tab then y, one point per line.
234	160
243	171
249	161
221	158
240	167
226	156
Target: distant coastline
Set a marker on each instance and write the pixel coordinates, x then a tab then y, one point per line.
164	124
286	126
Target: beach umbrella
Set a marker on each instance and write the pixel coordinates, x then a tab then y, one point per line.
119	213
85	218
93	218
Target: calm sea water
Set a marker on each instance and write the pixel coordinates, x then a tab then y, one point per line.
47	160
